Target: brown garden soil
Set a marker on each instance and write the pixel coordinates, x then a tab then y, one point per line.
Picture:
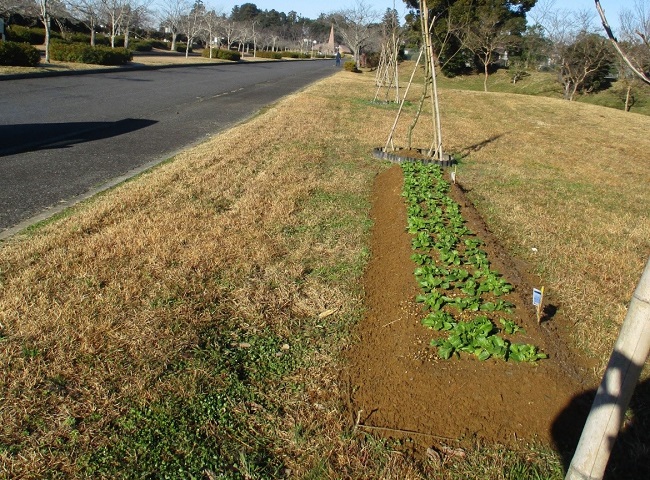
398	387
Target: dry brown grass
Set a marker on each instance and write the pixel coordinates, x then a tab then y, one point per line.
96	306
267	234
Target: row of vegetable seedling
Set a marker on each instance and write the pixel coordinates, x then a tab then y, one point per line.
465	298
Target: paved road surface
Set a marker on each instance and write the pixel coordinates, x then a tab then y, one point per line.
62	138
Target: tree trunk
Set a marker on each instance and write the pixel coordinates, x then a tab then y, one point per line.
567	89
485	69
627	98
187	47
92	32
173	47
113	33
126	37
46	21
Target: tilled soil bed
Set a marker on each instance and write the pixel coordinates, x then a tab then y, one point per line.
398	387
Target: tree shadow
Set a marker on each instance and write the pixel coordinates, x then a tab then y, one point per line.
31	137
465	152
630	457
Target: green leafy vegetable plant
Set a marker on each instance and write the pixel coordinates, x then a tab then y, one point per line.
454	274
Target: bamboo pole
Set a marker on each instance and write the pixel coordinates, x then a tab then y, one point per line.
401	106
396	62
430	70
615	391
639	73
436	104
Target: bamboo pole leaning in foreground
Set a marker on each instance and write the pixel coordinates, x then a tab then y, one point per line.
615	391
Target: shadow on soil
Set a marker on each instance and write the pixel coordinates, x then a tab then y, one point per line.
32	137
630	457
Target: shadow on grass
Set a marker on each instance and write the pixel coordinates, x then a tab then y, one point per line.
480	145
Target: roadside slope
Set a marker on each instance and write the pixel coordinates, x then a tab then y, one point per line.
192	320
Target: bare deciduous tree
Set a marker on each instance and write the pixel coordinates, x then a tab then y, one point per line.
88	12
212	23
7	6
171	12
113	11
45	14
230	30
254	34
135	11
47	10
354	25
192	24
584	61
580	55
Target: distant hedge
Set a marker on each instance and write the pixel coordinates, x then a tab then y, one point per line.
82	53
159	44
181	47
20	34
294	55
18	54
222	54
141	45
264	54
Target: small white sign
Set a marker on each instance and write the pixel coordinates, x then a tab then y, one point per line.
537	297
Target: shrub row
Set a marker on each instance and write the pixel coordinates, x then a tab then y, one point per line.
102	40
36	36
159	44
268	54
294	55
181	47
18	54
81	53
223	54
33	36
141	45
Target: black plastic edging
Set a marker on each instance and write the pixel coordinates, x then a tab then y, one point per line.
395	157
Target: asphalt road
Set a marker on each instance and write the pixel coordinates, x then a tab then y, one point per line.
63	138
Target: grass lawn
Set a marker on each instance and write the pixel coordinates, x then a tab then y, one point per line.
191	322
545	84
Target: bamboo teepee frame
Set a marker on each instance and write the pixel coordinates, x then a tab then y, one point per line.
430	82
387	75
